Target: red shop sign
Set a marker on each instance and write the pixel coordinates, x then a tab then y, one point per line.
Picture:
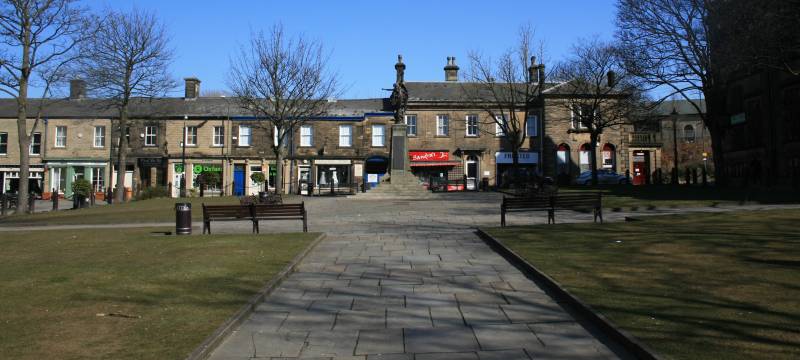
429	155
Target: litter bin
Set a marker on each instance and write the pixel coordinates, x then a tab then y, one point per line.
183	218
485	184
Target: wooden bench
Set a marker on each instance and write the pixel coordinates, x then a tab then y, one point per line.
226	213
247	200
551	204
547	190
280	212
272	198
254	213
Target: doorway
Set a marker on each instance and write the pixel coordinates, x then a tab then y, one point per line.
641	167
471	170
238	180
305	176
177	179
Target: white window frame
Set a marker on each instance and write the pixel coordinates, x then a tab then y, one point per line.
245	135
346	137
411	123
191	136
150	135
580	123
33	141
219	136
472	125
98	177
61	137
498	131
99	136
531	125
307	135
378	135
442	125
3	143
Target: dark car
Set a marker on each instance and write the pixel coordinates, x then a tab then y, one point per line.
603	177
526	175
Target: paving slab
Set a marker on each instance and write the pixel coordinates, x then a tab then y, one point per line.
360	319
286	343
505	337
309	321
419	317
330	343
440	339
380	342
518	354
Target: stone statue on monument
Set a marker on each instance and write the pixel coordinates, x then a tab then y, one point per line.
399	93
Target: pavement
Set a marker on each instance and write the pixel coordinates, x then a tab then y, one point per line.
411	279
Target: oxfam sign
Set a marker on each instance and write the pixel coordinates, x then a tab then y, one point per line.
201	168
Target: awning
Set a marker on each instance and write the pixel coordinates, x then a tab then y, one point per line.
433	163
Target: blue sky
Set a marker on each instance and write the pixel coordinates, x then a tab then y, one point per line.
367	36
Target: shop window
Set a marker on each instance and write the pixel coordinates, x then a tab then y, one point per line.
562	162
97	177
345	135
411	125
36	144
61	136
244	135
472	125
219	136
3	143
585	154
442	125
306	135
530	125
608	156
577	116
191	135
498	128
378	135
99	136
150	135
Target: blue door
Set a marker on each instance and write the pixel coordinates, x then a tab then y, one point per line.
238	178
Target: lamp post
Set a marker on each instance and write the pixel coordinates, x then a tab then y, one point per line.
674	116
224	144
183	161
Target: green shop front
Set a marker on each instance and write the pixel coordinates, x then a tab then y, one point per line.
63	172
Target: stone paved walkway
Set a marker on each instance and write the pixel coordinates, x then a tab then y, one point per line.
412	280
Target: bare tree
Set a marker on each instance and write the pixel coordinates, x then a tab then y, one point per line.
129	58
212	93
665	43
507	90
596	93
39	37
284	83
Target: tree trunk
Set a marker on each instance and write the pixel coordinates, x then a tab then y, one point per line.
122	149
24	151
675	152
515	166
279	168
593	155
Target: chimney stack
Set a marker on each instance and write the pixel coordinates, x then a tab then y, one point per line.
451	70
401	68
612	79
77	89
533	75
541	73
192	88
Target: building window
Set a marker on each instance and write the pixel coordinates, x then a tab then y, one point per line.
97	177
345	135
472	125
378	132
306	135
688	133
530	125
61	136
36	144
442	125
3	143
150	135
411	123
577	115
244	135
498	129
219	136
191	135
99	136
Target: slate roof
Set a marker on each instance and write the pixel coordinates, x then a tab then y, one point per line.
440	90
683	107
174	108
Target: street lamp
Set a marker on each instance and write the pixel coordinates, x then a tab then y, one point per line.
674	116
183	162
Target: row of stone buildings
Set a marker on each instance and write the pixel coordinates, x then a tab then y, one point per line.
77	138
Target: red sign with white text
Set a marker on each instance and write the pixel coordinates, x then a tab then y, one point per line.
429	155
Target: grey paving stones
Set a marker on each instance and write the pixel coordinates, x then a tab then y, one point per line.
480	299
440	339
448	356
431	300
239	344
505	337
360	319
479	315
518	354
379	302
330	343
264	321
446	316
408	318
537	313
285	343
570	352
380	342
309	321
564	333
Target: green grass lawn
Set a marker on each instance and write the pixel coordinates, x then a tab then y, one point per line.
183	287
671	195
695	286
158	210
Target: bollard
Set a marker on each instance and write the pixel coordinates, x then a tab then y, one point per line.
310	188
688	176
364	189
4	206
55	200
183	218
486	184
31	202
91	198
694	176
465	182
704	174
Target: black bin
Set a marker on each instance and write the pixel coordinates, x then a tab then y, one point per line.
183	218
485	184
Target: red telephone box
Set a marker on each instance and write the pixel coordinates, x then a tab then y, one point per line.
641	167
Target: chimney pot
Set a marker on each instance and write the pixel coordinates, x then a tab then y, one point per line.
192	88
451	70
77	89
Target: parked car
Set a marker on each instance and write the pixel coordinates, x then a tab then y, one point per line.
603	177
526	175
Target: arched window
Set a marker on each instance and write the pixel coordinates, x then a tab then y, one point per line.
585	155
562	159
688	133
609	160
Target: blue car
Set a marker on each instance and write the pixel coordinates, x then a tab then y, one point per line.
603	177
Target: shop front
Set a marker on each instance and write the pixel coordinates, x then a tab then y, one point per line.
330	172
9	178
63	172
504	160
376	167
431	167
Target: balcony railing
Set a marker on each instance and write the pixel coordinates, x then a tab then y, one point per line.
646	139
